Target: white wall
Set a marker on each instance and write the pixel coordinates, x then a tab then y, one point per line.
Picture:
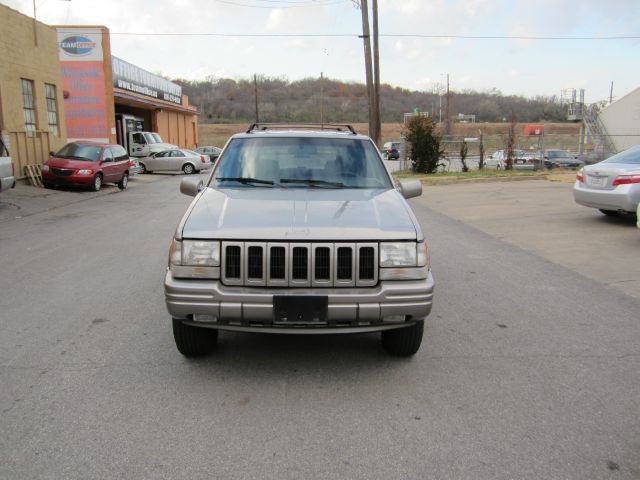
621	120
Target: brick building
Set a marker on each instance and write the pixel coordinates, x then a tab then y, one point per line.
102	91
31	107
60	84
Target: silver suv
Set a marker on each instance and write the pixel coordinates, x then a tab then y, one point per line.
299	230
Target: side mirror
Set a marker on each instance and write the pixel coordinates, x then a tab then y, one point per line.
52	154
410	188
191	186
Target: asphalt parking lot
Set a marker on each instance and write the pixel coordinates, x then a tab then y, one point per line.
541	217
529	368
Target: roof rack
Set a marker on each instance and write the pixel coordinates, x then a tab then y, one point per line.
338	127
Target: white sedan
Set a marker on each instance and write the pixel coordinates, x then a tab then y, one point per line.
175	160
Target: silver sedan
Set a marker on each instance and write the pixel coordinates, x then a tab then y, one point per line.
613	185
175	160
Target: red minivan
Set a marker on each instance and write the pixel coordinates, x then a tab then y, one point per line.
87	164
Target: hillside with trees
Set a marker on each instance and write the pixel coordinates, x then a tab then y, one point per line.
222	100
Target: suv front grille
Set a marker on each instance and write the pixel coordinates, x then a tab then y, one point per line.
294	264
232	262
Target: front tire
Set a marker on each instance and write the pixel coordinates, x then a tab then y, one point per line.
194	341
143	169
122	184
97	183
403	342
188	169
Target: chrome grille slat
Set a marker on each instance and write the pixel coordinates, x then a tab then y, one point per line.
300	264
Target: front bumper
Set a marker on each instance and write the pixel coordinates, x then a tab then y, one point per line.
622	197
209	303
73	179
7	183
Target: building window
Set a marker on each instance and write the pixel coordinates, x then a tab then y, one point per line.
52	107
28	105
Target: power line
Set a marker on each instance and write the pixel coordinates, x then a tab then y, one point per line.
281	3
390	35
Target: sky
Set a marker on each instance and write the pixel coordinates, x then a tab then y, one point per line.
288	48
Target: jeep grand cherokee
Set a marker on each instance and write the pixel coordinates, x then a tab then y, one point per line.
299	231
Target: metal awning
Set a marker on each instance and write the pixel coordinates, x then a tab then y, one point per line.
125	98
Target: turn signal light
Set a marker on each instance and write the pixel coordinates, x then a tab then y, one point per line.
626	179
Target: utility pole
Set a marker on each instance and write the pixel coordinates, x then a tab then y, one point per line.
447	119
366	37
321	99
611	94
255	89
376	77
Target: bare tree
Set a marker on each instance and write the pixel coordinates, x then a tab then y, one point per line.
511	138
464	149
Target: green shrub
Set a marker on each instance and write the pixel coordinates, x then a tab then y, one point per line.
423	144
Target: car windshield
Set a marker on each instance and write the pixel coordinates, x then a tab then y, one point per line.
559	154
78	151
628	156
157	137
150	138
302	162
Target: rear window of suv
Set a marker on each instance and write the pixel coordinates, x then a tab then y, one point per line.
339	162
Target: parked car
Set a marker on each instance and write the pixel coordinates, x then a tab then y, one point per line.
613	185
561	159
299	232
87	164
7	173
389	146
393	154
522	160
134	166
212	152
175	160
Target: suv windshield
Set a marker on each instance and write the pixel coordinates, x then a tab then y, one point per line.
77	151
302	162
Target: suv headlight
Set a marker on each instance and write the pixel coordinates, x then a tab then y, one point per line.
198	252
195	259
401	254
404	261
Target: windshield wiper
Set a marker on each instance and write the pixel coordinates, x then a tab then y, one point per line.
312	182
245	180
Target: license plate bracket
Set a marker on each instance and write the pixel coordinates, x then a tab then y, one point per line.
300	309
594	181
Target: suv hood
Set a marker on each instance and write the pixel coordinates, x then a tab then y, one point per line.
300	214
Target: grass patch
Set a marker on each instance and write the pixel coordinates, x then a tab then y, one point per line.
442	178
408	174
